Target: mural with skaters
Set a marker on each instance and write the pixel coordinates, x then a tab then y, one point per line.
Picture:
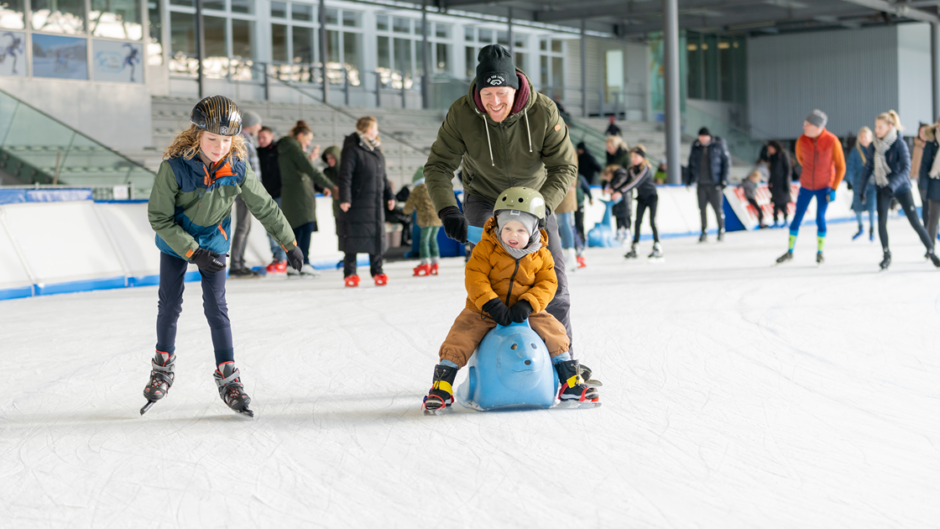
12	47
59	57
117	61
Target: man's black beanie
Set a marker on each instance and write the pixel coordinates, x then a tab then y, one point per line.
495	68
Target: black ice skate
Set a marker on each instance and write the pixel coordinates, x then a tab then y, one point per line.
161	378
574	392
819	258
721	235
703	237
886	262
785	257
441	396
934	259
231	389
632	253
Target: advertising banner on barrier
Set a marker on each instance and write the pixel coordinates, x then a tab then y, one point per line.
747	213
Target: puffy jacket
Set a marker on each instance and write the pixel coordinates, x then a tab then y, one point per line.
530	148
780	178
270	171
719	161
587	164
492	273
822	160
190	206
419	200
363	182
899	162
854	173
639	177
924	182
298	197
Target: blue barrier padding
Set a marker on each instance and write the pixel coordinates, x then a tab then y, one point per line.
57	195
135	201
12	196
81	286
732	223
143	281
15	293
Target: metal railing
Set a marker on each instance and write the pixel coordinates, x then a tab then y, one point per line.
36	148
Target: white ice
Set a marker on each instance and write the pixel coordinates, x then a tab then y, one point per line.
736	394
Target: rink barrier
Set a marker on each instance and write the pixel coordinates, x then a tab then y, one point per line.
60	241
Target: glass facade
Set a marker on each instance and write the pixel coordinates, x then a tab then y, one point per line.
717	67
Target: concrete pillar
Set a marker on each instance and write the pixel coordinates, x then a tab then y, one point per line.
323	54
509	29
200	48
673	117
425	60
584	109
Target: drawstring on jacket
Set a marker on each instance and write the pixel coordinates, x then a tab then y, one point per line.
525	114
489	142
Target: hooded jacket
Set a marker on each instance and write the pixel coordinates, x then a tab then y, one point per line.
298	197
931	150
419	200
530	148
191	206
492	273
587	164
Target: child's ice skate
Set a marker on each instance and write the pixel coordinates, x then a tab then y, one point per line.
161	378
441	396
657	254
422	269
231	389
574	392
632	253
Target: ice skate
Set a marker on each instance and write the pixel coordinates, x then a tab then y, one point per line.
441	396
785	257
721	235
161	378
574	392
871	235
351	281
421	270
276	267
231	389
571	262
819	258
586	373
703	237
886	262
308	271
632	253
581	262
657	254
861	231
934	259
435	267
243	273
380	280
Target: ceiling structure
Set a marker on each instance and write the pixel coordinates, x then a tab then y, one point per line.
636	18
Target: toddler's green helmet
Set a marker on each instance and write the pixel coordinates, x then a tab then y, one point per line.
522	199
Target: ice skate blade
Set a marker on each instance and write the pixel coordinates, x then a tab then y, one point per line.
576	405
439	411
147	406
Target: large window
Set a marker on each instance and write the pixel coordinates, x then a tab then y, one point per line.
116	19
155	21
59	16
344	45
401	50
717	67
552	68
228	34
13	14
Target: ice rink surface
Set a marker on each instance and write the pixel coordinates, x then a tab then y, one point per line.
736	394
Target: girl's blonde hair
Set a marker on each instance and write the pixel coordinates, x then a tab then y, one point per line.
617	141
891	118
186	145
858	144
753	174
365	123
641	147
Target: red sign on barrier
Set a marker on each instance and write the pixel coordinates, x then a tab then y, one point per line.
746	212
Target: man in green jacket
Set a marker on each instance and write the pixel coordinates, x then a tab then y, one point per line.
506	135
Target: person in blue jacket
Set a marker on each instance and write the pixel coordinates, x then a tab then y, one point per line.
190	209
929	180
890	170
854	171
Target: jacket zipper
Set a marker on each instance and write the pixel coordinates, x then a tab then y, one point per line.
511	279
502	132
224	235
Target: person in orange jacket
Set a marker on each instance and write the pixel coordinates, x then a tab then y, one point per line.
820	154
510	278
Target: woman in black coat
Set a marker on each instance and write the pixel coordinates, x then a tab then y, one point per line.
780	179
364	196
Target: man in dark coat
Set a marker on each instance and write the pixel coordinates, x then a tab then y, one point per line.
587	164
709	166
364	196
271	180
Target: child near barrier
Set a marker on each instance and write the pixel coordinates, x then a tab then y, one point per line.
750	185
510	277
420	200
190	209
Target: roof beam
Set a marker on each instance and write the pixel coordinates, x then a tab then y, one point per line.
733	23
464	3
901	10
649	8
